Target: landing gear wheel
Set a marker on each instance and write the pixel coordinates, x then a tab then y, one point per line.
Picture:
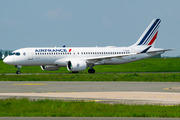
18	67
75	71
91	70
18	72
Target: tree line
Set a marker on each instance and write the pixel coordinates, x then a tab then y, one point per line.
3	55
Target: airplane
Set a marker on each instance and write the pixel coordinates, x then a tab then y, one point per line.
80	58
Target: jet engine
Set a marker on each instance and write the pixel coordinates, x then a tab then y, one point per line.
50	67
76	65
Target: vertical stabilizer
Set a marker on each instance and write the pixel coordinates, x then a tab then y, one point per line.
150	34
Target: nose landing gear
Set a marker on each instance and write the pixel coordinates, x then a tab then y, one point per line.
18	69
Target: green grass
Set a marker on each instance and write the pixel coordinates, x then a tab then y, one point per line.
53	108
148	77
146	65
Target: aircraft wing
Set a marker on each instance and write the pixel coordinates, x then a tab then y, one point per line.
108	57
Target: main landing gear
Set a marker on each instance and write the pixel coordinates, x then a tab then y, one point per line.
18	69
75	71
91	70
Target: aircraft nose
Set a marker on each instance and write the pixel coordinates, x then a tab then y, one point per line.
8	60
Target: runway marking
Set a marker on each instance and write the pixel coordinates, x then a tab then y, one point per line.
4	91
172	88
31	84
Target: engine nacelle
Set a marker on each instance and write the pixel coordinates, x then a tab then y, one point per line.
50	67
76	65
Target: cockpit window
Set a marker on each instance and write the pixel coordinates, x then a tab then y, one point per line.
17	54
12	53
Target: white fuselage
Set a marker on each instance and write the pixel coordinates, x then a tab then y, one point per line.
59	56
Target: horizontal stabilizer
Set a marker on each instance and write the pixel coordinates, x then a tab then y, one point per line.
162	50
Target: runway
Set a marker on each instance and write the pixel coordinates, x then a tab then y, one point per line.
166	93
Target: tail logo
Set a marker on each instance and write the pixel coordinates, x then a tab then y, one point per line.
150	34
153	39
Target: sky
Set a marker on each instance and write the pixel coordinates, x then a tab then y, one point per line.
87	23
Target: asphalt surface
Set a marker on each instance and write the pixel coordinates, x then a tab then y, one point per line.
77	86
167	93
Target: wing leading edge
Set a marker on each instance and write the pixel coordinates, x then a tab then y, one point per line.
108	57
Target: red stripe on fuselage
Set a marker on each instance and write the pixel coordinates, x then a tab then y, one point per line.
153	39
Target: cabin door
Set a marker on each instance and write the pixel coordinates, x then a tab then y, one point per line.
30	54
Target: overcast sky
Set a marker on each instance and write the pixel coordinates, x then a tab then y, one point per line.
87	23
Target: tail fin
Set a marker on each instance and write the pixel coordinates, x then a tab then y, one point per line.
149	35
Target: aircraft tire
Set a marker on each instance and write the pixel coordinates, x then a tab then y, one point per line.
18	72
91	71
75	71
